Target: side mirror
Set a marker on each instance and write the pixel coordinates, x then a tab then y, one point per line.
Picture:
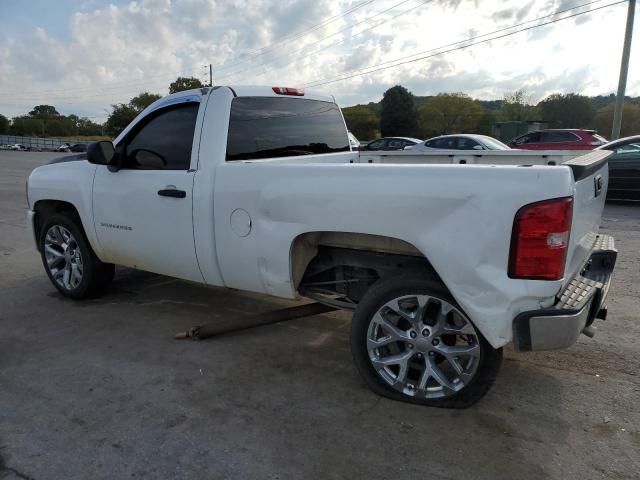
101	153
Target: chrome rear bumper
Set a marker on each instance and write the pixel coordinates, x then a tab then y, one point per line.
576	307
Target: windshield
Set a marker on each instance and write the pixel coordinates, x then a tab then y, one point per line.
493	144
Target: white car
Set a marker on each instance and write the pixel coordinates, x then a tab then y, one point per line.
19	147
460	142
65	147
256	188
353	141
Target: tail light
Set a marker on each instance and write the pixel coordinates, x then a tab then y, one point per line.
296	92
540	240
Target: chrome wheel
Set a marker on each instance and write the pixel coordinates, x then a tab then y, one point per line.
63	257
423	346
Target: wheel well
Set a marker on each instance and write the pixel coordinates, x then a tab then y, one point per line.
345	265
45	208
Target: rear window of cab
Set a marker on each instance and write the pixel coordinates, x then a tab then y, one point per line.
271	127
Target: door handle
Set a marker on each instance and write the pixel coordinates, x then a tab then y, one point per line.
172	192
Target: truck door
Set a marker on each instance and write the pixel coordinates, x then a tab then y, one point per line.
143	211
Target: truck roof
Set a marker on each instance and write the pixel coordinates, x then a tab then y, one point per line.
240	91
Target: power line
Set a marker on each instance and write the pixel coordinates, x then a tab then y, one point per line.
295	36
321	40
559	12
94	87
338	79
422	3
261	51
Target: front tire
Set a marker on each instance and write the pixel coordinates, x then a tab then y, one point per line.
70	263
411	342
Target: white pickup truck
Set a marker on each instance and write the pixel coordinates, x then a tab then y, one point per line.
444	257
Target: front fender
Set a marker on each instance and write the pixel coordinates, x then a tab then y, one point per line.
70	182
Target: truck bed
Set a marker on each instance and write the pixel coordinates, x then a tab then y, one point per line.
577	160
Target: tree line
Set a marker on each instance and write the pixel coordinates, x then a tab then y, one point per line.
400	113
46	121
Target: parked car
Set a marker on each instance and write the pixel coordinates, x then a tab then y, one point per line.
436	293
391	143
65	147
460	142
558	139
19	147
78	147
624	168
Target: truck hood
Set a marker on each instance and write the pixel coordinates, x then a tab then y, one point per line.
69	158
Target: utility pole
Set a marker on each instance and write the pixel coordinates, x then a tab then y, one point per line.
624	69
211	74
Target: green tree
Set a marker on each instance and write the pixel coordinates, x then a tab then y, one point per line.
122	114
486	123
567	111
44	111
517	106
4	125
361	121
398	115
184	83
28	126
143	100
603	120
449	113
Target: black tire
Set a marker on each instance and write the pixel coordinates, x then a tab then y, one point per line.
96	275
387	289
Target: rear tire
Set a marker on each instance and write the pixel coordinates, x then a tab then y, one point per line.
70	263
411	342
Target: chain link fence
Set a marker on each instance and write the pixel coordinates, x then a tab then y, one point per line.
35	143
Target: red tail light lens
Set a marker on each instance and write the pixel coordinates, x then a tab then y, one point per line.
296	92
540	240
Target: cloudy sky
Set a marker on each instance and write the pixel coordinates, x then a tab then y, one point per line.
82	56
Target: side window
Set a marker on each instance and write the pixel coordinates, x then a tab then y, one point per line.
395	143
528	138
163	140
466	143
559	137
448	143
630	149
376	145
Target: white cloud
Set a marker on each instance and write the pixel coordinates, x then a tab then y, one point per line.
116	51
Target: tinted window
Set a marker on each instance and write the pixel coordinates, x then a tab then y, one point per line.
629	148
448	143
466	143
265	127
395	143
529	138
163	141
557	137
376	145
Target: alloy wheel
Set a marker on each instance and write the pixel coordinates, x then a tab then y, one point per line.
63	257
423	346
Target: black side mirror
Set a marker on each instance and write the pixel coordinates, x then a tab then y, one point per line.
101	153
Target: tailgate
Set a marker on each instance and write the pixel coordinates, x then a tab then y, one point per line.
591	176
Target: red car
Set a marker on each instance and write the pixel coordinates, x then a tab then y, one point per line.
558	139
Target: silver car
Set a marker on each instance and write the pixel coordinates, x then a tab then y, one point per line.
460	142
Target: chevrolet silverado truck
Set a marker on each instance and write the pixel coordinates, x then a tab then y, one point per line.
445	258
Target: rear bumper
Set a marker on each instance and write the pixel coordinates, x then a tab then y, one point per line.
576	307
